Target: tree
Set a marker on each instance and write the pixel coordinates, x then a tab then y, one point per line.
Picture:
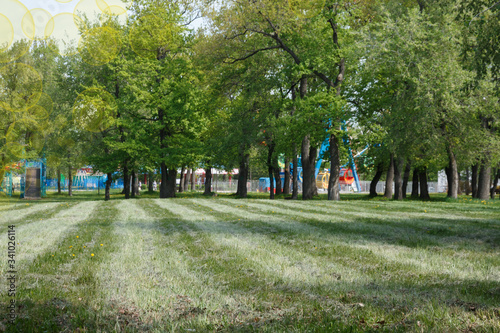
312	44
24	104
169	101
417	87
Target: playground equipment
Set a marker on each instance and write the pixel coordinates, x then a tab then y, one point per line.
85	180
265	183
348	172
7	183
33	181
346	177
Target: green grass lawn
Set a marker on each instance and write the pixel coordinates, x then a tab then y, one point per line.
225	264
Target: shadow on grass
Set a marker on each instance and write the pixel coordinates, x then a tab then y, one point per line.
394	297
62	315
117	195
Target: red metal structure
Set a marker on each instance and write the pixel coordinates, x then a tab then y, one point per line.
346	177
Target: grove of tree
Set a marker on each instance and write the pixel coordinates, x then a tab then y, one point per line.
259	81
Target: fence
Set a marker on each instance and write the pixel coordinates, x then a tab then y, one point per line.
365	187
90	184
253	186
231	186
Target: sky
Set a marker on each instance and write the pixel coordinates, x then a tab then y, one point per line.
51	20
52	6
55	7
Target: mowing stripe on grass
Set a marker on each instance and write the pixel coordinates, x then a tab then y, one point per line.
464	237
233	266
147	274
458	234
242	213
58	284
457	268
381	210
259	242
25	214
12	204
224	265
194	249
407	294
35	238
401	233
459	213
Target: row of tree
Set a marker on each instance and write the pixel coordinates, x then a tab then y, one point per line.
415	80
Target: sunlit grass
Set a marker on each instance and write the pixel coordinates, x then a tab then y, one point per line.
209	264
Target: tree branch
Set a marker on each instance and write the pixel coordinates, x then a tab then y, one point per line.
251	54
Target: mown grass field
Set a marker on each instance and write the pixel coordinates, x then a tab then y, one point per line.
224	264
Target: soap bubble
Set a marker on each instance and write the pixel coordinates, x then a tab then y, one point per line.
20	87
94	109
99	45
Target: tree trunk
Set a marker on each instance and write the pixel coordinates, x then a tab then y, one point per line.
134	186
70	182
475	168
295	176
270	169
164	191
406	178
242	190
389	179
376	178
133	177
495	183
308	163
277	176
208	181
171	183
424	191
452	175
107	195
308	154
126	180
181	180
2	171
467	182
333	181
192	180
314	185
186	179
448	178
286	183
150	181
58	180
414	185
163	181
398	180
483	189
459	188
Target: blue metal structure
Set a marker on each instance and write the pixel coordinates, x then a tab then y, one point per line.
351	163
86	183
265	183
40	164
7	183
325	145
